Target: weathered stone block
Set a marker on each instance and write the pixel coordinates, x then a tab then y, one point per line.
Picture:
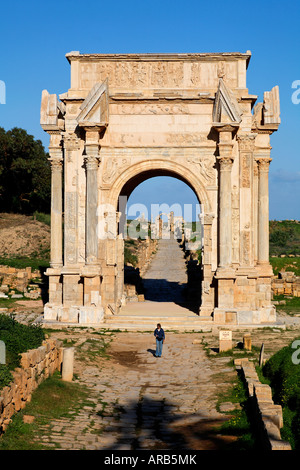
244	317
231	317
263	393
225	340
219	316
247	344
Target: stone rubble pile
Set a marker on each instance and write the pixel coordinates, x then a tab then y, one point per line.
287	283
19	283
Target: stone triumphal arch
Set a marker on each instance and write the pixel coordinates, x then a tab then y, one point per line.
126	118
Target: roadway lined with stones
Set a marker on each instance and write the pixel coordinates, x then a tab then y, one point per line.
137	401
142	402
166	277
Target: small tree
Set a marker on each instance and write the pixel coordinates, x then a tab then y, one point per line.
25	175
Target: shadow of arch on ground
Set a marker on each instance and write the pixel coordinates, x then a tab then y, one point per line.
150	424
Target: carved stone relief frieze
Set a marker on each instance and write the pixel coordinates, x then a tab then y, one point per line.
185	139
155	108
205	167
113	167
245	170
149	74
245	247
70	226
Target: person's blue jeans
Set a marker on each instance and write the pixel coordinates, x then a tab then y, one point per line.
159	345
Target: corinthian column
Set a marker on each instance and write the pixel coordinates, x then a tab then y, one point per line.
91	164
225	212
56	207
225	217
263	210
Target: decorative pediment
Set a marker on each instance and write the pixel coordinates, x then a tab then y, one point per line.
94	109
52	112
226	108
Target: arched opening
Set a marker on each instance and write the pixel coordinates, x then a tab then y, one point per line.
162	231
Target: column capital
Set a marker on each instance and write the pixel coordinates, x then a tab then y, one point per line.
263	163
70	141
246	141
91	162
226	162
207	218
56	164
55	152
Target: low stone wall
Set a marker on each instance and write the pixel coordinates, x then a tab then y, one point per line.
267	416
36	366
287	283
133	275
145	254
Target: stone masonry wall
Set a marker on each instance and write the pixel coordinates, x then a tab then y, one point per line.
287	283
145	254
36	366
133	278
266	415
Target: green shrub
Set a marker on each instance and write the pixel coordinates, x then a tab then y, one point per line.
22	263
284	237
41	217
129	257
279	237
284	376
286	264
5	376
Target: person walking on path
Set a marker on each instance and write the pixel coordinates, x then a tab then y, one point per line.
160	338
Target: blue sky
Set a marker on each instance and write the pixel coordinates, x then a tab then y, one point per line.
35	36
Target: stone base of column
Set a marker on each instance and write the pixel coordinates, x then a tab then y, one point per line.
206	311
227	316
55	285
74	297
244	296
92	286
264	269
225	273
225	277
225	288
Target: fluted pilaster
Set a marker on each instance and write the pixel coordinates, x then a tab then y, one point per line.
91	165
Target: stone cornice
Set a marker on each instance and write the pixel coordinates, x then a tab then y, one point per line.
225	126
75	55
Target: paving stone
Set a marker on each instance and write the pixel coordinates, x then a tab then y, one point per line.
141	406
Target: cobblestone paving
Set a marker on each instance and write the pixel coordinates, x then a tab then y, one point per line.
137	401
166	277
142	402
